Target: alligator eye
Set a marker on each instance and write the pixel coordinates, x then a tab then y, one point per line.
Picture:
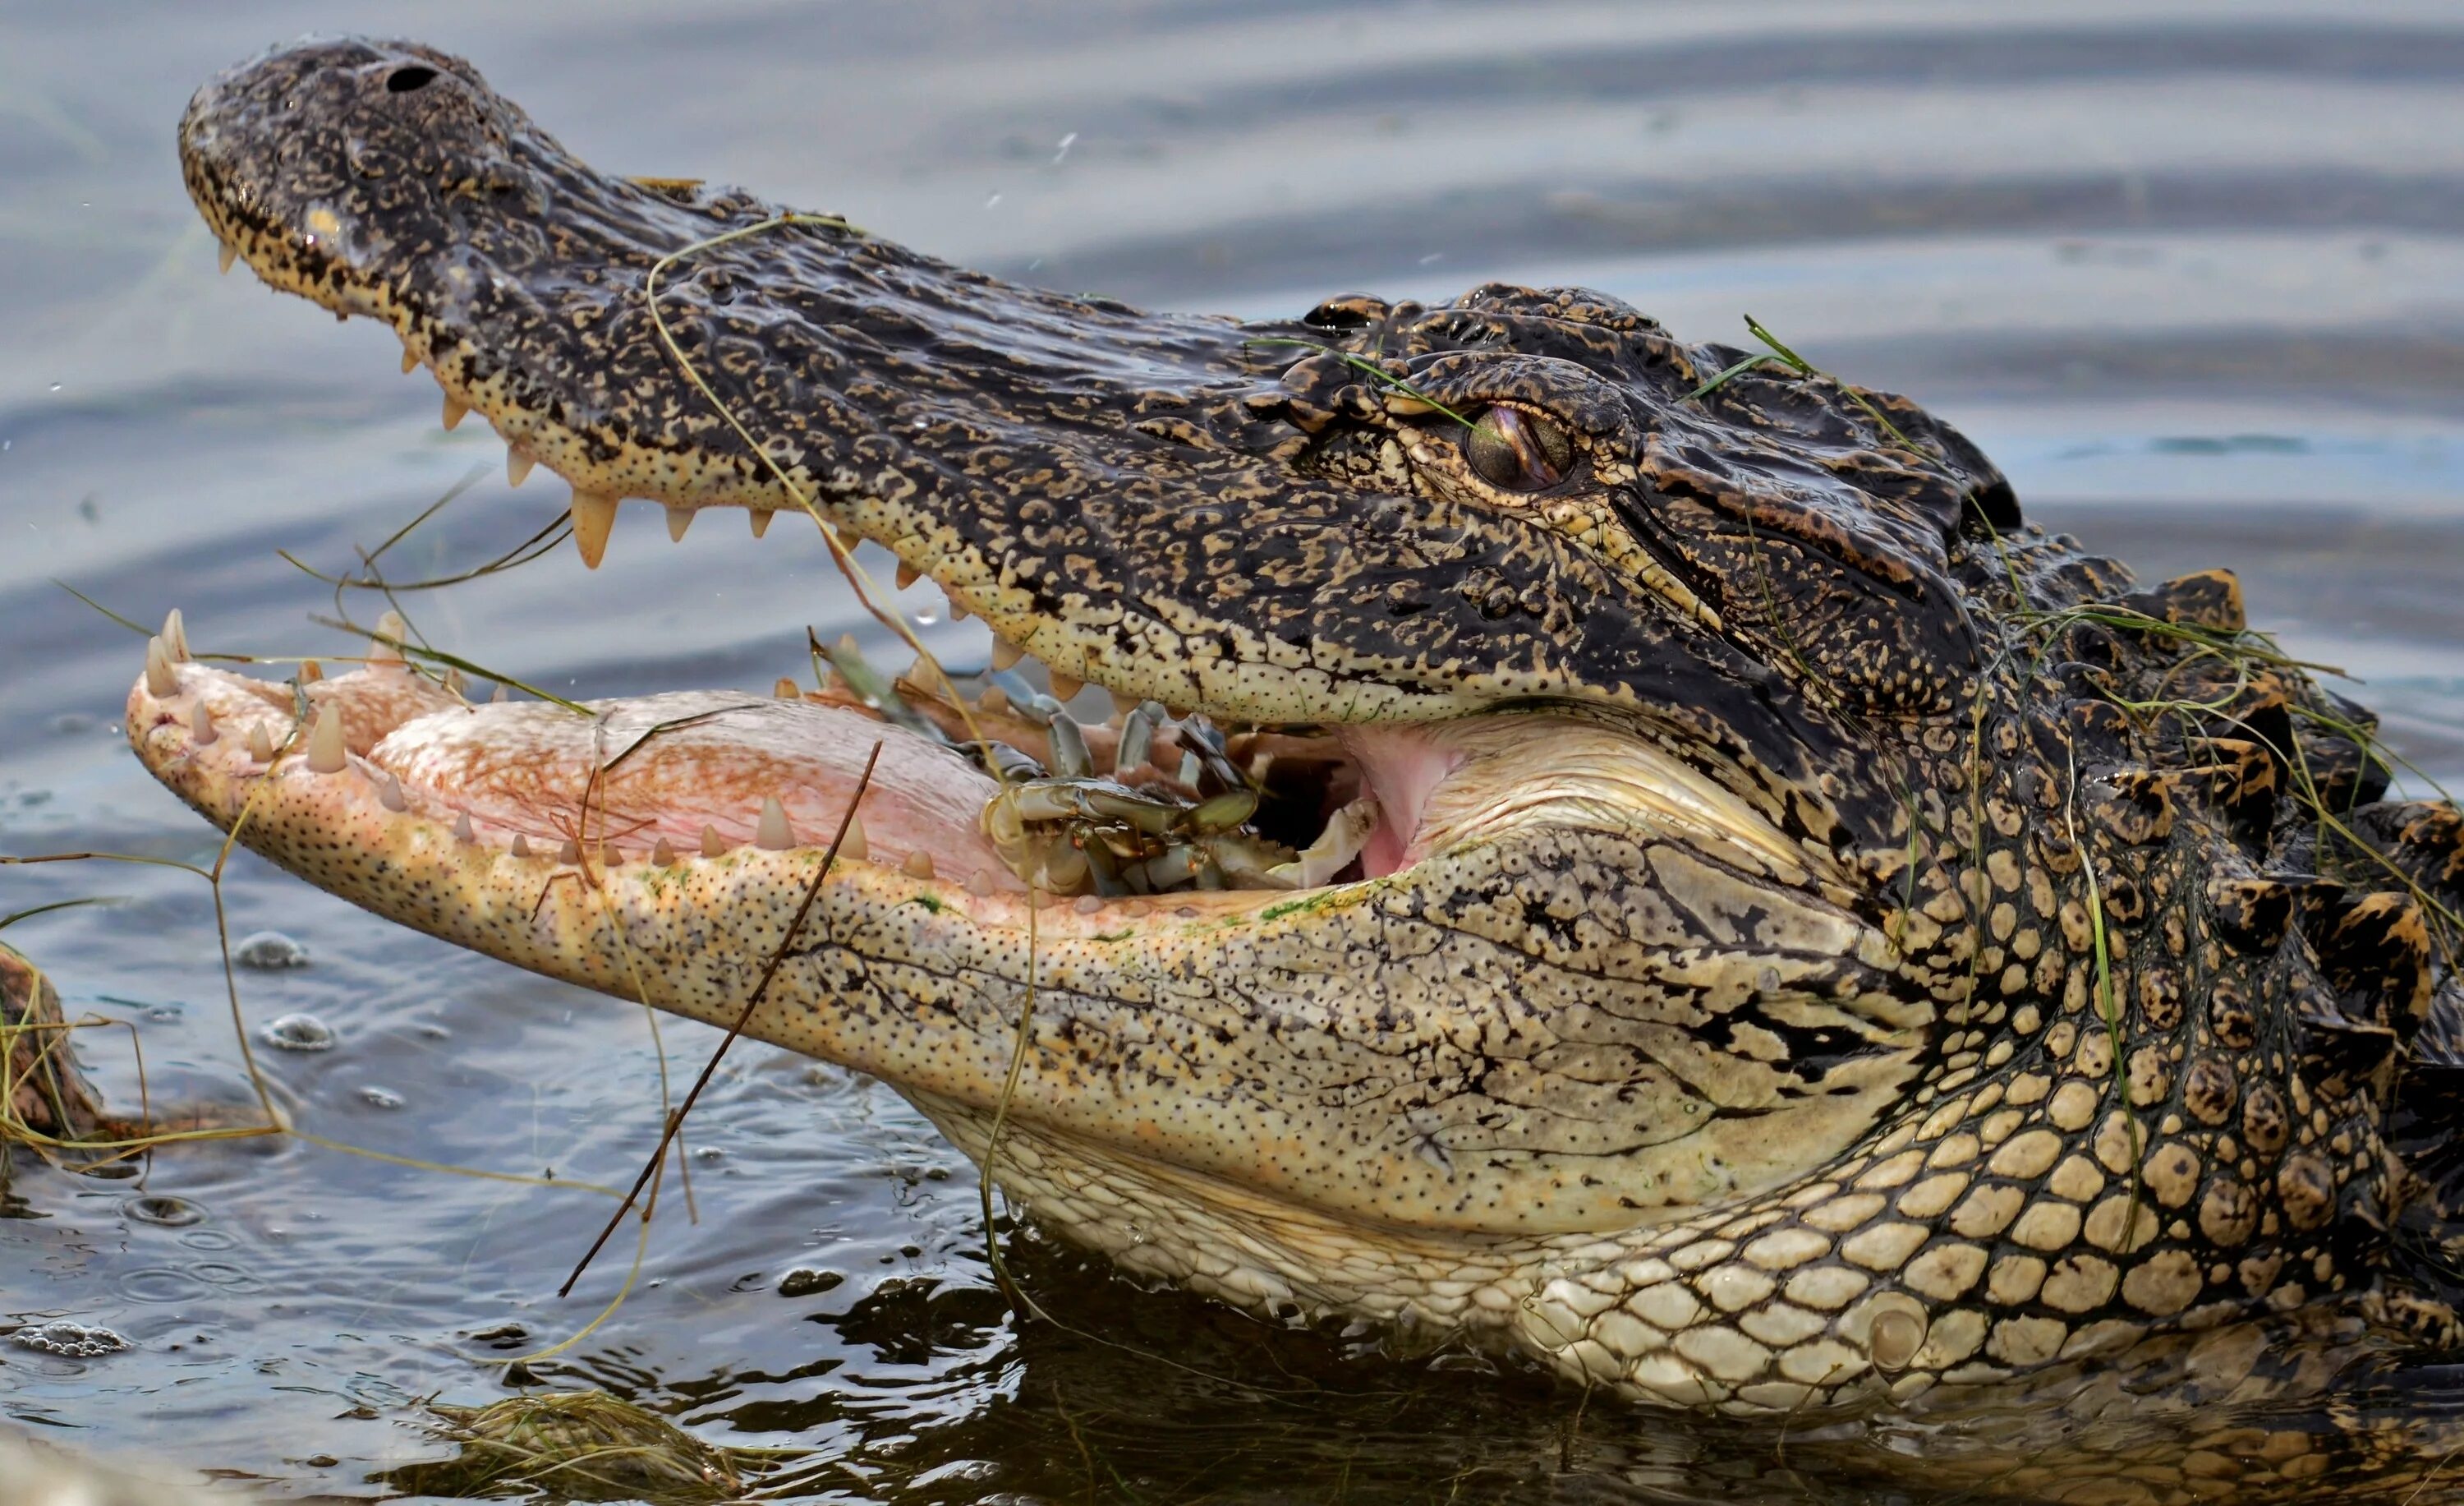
414	76
1516	451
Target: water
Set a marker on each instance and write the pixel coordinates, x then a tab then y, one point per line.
2194	274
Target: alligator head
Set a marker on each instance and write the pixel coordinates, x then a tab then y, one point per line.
1735	941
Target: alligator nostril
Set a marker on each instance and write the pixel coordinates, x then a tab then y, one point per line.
403	81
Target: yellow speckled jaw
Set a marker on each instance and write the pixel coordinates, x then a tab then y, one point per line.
1229	1035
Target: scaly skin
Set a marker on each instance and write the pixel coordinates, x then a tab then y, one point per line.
1824	975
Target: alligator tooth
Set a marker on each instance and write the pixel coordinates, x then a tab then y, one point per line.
454	409
852	845
454	682
201	725
462	829
498	697
1088	904
261	747
908	575
679	518
1122	705
1007	653
773	832
918	865
594	514
710	845
980	883
1066	687
326	746
994	700
160	678
522	845
409	362
175	636
785	689
227	255
390	794
311	671
662	853
390	627
610	855
761	517
570	853
958	611
517	466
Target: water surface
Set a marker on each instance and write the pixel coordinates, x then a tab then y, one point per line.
2194	274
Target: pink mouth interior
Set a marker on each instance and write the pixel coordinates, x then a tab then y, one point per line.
693	767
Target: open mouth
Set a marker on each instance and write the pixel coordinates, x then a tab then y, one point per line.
1002	794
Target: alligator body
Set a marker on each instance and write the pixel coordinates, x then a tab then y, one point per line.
1651	860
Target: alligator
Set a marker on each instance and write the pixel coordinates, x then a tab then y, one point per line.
1629	853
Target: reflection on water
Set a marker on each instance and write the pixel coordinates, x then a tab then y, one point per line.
2194	275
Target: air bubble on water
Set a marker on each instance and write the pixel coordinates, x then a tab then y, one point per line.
380	1098
269	949
300	1032
927	617
163	1209
77	1340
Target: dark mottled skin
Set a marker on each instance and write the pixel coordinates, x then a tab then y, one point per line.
2098	902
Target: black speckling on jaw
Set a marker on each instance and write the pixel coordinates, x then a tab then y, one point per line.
1190	508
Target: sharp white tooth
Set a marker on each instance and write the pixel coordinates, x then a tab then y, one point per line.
1088	904
201	725
594	514
517	466
662	853
1005	654
852	845
774	833
908	575
918	865
462	832
228	254
311	671
980	883
327	745
391	627
454	682
710	845
679	518
958	611
161	680
409	362
497	697
521	846
785	690
610	855
454	409
569	852
1122	705
175	636
761	517
995	700
1065	687
261	747
390	794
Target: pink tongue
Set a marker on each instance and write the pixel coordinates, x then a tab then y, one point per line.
667	765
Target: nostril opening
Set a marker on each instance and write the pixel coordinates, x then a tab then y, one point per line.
403	81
